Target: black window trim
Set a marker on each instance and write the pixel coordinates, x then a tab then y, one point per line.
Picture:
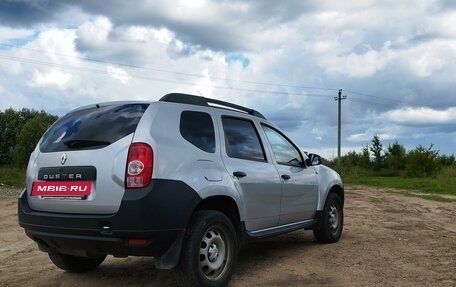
303	163
256	132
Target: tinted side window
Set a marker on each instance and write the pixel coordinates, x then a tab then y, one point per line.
284	151
93	127
241	139
198	129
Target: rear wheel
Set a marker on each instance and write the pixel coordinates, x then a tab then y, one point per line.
74	264
332	220
209	251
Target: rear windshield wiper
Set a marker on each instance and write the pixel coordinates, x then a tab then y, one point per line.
85	143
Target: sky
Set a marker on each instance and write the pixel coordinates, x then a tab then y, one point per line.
395	62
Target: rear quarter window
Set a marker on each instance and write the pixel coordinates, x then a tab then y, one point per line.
198	129
93	127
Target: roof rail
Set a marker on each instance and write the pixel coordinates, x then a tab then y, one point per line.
201	101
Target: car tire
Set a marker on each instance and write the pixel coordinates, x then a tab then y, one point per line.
74	264
209	251
330	227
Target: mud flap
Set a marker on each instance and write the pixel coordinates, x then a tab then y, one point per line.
171	257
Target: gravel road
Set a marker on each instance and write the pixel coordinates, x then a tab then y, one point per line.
389	239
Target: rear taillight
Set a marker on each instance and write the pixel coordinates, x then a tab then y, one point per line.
140	163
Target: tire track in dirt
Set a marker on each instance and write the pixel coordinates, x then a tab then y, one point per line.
389	240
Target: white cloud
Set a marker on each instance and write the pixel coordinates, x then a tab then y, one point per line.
425	59
94	33
422	116
358	65
118	74
7	33
54	78
349	17
13	99
55	45
386	50
371	132
445	24
318	133
145	34
360	137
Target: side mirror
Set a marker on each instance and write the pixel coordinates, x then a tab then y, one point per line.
313	159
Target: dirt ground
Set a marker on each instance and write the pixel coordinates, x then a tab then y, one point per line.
389	240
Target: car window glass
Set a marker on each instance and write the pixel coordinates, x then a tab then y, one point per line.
284	151
93	127
198	129
241	139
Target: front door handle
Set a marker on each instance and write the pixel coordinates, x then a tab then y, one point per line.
239	174
285	176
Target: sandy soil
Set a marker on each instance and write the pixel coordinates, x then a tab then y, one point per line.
389	240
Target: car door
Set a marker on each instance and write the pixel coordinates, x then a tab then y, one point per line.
257	179
299	182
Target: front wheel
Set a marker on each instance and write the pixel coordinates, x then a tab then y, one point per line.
74	264
332	220
209	251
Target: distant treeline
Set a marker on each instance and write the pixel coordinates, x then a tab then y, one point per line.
394	160
20	131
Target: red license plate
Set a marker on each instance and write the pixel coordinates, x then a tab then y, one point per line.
62	188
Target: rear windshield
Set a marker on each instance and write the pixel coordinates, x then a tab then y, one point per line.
92	128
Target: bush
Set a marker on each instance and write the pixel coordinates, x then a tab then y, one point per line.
447	173
395	159
352	164
421	162
446	161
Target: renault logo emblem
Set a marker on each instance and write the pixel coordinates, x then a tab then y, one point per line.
63	158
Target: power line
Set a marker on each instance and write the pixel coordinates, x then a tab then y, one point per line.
362	101
103	72
31	61
173	72
372	96
163	80
352	99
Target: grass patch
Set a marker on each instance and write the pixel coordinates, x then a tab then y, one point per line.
10	176
438	185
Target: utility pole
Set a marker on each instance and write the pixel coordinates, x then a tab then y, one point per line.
339	99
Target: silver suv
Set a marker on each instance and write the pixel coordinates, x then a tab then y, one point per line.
185	179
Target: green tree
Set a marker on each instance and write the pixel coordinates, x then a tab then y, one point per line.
376	150
365	157
11	122
9	126
29	136
395	158
446	160
422	162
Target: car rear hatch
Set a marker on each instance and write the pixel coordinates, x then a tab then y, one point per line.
79	164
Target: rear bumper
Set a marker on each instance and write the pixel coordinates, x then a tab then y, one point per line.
91	245
156	215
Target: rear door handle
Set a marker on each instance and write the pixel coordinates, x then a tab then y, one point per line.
285	176
239	174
